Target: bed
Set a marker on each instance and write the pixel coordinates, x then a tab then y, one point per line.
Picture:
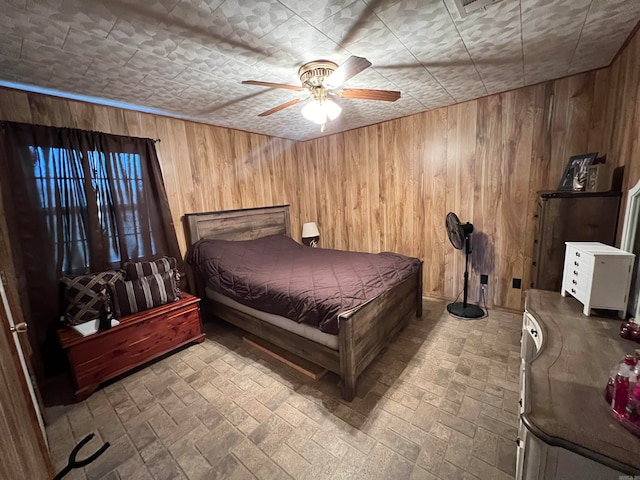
349	344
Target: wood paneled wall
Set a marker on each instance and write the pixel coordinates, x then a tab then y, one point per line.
622	128
384	187
390	186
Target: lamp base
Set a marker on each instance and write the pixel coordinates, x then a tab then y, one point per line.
469	312
311	241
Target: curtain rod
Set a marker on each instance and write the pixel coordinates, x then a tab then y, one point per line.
156	140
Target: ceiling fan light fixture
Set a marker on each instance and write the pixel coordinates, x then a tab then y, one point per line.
319	112
313	111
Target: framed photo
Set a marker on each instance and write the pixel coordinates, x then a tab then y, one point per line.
576	169
598	178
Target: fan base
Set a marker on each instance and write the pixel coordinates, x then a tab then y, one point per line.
469	312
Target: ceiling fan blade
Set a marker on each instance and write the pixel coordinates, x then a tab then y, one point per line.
272	85
280	107
368	94
349	69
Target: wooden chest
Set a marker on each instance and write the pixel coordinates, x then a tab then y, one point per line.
139	338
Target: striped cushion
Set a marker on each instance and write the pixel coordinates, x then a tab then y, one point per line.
150	291
136	270
86	296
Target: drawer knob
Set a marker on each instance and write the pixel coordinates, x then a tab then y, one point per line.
534	332
574	282
573	290
578	254
575	272
576	264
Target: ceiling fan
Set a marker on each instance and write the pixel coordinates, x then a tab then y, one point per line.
323	79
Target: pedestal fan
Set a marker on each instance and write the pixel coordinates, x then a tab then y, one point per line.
459	234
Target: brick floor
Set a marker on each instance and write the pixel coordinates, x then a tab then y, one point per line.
439	402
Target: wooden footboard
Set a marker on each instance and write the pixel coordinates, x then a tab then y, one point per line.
366	330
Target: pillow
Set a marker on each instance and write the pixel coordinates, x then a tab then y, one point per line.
133	296
136	270
86	296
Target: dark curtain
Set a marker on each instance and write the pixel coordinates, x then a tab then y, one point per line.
77	202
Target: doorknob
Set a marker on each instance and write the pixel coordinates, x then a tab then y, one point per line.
19	327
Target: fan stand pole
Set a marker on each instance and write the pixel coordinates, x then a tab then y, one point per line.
463	309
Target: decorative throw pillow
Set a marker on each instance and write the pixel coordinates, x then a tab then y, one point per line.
150	291
86	296
136	270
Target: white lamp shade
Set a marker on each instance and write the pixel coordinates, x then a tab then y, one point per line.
332	109
313	111
310	230
319	112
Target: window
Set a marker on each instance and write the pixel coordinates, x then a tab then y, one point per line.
81	187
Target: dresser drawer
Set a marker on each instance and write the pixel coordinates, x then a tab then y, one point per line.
580	261
578	293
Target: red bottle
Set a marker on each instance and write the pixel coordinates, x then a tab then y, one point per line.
633	406
621	386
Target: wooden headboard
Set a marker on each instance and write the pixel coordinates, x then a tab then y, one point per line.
244	224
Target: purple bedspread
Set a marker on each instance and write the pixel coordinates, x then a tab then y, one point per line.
277	275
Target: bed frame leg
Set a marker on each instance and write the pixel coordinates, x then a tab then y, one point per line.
349	387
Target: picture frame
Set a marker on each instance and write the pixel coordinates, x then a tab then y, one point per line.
598	178
576	165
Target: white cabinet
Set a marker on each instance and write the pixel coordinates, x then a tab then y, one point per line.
597	275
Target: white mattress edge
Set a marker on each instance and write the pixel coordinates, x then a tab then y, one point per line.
306	331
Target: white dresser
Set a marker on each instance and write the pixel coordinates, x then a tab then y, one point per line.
597	275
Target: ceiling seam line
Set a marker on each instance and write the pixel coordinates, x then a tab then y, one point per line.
416	59
575	49
466	49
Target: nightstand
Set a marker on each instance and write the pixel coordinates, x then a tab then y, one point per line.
597	275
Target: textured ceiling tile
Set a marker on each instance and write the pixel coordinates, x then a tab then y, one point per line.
156	39
608	25
256	16
163	87
198	57
192	55
315	12
343	27
24	71
93	17
430	34
550	33
199	20
56	57
295	37
328	51
154	65
420	83
132	93
37	28
104	50
247	48
197	79
64	80
113	72
147	12
10	45
493	38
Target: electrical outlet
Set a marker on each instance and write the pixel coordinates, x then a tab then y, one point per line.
482	293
